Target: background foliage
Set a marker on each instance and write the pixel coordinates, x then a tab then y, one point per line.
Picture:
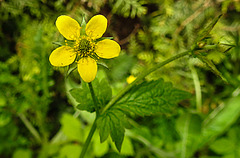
149	31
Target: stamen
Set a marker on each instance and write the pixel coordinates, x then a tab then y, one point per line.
84	46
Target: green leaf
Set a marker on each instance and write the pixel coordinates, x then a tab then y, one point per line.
127	147
103	93
129	8
223	146
222	119
144	99
219	121
5	118
71	127
112	122
70	151
19	153
117	129
152	97
189	128
104	127
99	148
121	66
205	32
83	97
212	67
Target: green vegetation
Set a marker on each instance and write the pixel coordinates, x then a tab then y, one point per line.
184	103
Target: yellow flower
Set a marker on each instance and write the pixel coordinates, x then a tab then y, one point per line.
130	79
85	49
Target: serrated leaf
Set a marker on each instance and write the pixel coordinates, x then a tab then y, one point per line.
152	97
112	122
102	90
204	33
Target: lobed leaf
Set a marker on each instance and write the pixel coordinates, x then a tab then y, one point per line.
112	122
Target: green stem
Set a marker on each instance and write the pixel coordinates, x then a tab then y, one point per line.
197	88
142	76
88	140
93	97
94	126
30	127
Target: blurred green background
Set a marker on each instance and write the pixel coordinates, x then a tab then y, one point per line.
33	94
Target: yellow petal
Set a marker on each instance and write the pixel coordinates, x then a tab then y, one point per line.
87	68
62	56
96	26
107	49
68	27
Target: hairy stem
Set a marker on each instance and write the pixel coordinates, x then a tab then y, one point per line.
142	76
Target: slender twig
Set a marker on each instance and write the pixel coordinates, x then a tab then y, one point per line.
142	76
30	127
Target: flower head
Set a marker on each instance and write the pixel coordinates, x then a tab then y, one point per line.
85	47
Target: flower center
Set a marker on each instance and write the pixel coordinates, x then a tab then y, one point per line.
84	47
